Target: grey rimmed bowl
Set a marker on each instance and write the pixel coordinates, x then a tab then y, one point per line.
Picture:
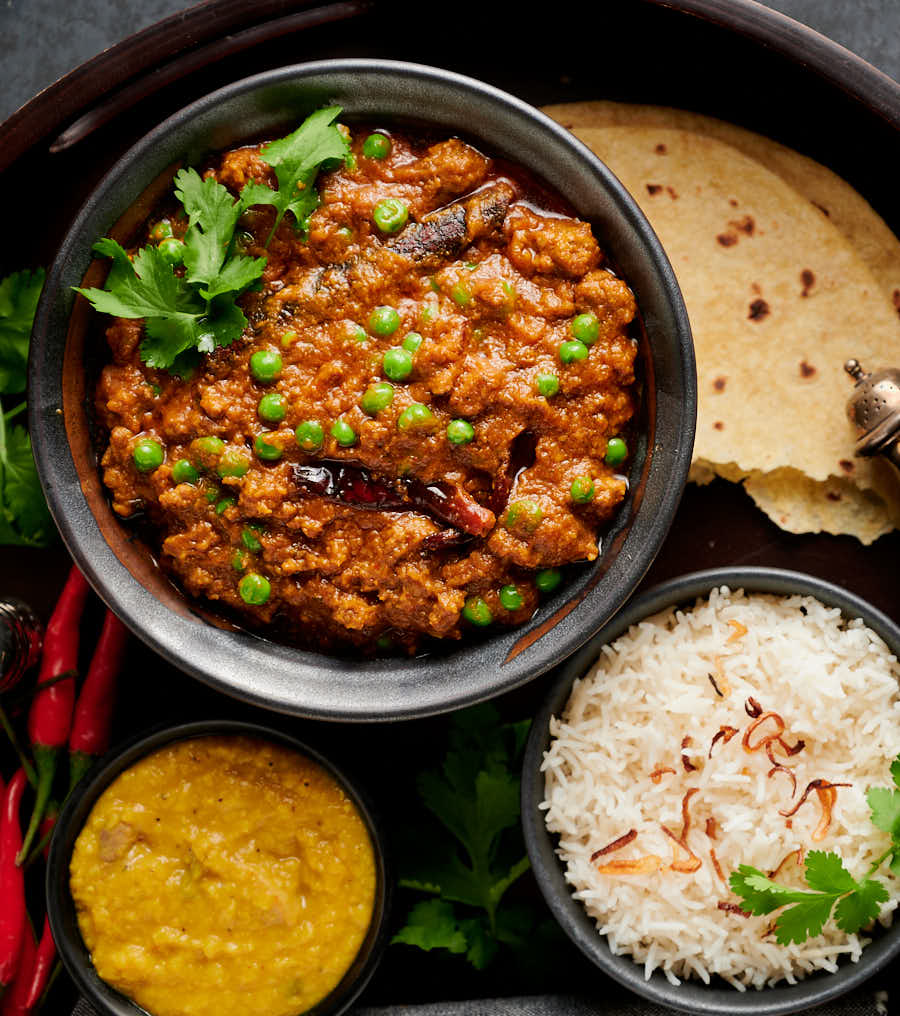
302	682
61	907
716	999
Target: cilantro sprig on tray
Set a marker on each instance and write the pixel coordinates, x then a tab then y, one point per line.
24	518
832	888
474	796
195	311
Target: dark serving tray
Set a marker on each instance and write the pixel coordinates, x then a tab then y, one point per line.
729	58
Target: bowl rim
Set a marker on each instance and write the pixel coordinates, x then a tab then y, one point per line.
691	996
75	811
183	640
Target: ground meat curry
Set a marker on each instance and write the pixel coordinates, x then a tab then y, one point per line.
421	422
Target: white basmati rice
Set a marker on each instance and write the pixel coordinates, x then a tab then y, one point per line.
834	683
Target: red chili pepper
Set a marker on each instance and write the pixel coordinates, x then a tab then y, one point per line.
14	1001
51	711
93	711
46	826
41	967
13	921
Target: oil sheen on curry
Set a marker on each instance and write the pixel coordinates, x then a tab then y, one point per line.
220	870
422	421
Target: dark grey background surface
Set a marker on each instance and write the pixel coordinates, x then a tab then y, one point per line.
43	39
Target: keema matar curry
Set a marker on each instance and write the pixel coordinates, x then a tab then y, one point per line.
367	387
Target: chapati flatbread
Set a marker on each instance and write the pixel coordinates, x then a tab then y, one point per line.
778	298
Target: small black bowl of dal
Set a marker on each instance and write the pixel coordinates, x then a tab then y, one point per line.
741	718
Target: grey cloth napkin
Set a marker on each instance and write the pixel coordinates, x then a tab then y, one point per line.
860	1003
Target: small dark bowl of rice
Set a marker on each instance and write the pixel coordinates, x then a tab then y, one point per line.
609	763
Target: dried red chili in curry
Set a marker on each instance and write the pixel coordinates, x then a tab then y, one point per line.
417	419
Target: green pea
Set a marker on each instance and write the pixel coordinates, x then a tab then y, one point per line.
345	233
377	397
350	161
254	589
384	321
547	579
390	215
477	612
582	490
355	333
288	339
234	462
460	432
172	250
272	407
266	449
384	643
412	342
157	391
343	433
511	598
184	472
586	328
616	451
525	514
265	365
212	494
310	435
434	284
572	350
547	385
376	146
206	450
460	295
397	364
429	312
416	417
161	231
224	505
239	561
148	454
250	540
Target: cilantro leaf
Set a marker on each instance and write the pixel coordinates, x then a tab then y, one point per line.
297	160
759	894
433	925
884	806
212	217
24	518
825	872
861	907
474	796
895	772
19	294
145	288
804	919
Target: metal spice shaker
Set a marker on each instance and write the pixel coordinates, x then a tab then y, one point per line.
21	637
874	407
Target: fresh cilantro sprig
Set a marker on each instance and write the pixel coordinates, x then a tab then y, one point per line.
185	314
475	797
297	159
19	294
195	311
854	902
24	518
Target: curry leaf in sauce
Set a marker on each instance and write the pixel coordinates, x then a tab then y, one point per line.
297	160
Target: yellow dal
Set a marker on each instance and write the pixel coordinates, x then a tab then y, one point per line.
223	875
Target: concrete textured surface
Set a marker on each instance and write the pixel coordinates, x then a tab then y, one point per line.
43	39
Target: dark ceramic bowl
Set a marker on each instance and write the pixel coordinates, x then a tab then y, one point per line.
309	683
61	908
718	998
